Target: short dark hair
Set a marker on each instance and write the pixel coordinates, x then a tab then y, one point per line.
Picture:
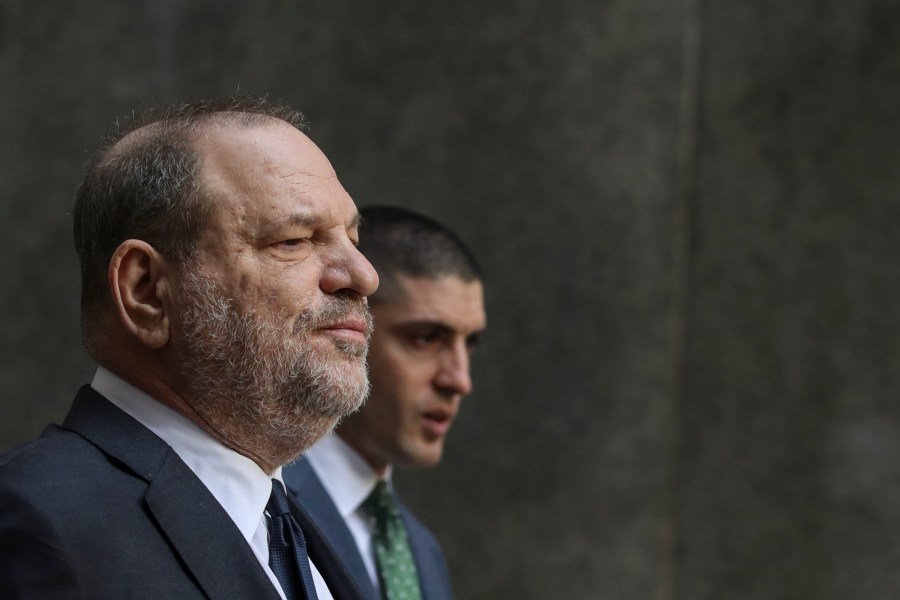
143	183
398	241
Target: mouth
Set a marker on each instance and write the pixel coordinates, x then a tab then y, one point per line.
437	421
355	328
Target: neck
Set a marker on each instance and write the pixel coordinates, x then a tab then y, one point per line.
269	445
378	465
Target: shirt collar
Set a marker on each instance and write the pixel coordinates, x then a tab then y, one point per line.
236	482
346	475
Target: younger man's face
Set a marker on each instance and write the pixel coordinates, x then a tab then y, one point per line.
419	370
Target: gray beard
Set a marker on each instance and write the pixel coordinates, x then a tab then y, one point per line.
260	385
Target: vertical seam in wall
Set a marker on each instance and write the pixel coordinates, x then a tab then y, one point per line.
165	16
683	222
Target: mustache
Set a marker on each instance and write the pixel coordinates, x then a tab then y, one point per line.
335	309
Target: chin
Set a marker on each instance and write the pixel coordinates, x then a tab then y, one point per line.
346	350
425	460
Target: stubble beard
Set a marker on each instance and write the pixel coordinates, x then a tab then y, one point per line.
263	387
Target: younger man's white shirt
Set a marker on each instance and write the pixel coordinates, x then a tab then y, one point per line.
349	480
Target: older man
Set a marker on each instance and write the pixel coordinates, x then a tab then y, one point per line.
224	299
429	314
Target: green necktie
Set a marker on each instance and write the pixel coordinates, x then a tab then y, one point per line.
396	568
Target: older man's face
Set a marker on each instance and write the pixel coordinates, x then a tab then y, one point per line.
274	324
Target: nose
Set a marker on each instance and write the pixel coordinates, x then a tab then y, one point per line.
349	270
453	375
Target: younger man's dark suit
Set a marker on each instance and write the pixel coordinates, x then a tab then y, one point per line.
101	508
308	492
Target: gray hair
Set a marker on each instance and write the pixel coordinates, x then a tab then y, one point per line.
143	183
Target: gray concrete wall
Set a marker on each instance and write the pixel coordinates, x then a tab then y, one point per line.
685	212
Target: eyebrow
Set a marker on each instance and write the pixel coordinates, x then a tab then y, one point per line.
302	219
438	325
423	323
299	218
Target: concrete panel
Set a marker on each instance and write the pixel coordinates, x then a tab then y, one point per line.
548	135
543	132
787	473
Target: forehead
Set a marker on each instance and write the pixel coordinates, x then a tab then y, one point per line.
448	300
270	172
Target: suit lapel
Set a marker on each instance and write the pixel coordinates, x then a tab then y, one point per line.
329	563
207	540
117	434
204	536
427	564
317	511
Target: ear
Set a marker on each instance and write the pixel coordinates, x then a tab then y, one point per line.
140	289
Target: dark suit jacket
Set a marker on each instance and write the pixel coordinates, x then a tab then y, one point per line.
102	508
308	492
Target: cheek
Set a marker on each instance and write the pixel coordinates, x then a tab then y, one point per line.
398	374
292	300
388	363
398	386
279	292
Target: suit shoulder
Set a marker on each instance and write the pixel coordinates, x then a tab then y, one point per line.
55	444
58	467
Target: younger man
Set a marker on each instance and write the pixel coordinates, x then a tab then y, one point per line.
429	313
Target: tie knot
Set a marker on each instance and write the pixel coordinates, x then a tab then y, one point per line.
278	503
380	503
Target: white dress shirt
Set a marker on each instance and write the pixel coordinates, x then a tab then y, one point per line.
236	482
349	480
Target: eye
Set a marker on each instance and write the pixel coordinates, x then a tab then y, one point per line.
291	249
472	342
423	340
291	243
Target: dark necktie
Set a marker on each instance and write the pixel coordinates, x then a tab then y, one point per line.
396	567
287	548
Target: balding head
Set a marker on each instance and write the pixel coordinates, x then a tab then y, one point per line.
144	183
